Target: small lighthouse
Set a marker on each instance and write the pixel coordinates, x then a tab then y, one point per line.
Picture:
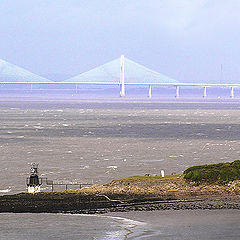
33	182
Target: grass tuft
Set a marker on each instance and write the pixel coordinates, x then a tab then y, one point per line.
221	173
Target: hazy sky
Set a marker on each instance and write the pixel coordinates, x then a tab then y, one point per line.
185	39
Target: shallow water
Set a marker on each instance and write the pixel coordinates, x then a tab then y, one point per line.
186	224
63	226
192	224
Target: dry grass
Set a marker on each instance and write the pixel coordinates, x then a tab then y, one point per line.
173	185
153	186
148	178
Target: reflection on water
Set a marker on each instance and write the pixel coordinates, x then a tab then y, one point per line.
186	224
63	226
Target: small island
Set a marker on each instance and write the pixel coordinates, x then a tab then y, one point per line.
215	186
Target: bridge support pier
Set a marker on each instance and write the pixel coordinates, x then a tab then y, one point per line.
232	92
204	92
149	91
122	82
76	88
177	92
122	90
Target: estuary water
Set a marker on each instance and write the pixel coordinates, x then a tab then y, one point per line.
65	226
99	140
172	225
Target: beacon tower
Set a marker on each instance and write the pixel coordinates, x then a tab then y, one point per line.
33	182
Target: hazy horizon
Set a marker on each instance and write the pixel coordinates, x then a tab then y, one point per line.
185	40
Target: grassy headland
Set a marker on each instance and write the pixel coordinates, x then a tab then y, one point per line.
221	173
202	187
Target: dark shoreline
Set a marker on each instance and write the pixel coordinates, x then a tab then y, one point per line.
76	203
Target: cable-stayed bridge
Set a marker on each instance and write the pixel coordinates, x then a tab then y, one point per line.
122	72
10	73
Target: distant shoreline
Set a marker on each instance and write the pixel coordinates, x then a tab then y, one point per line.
75	102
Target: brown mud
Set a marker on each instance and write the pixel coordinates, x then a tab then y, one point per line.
91	204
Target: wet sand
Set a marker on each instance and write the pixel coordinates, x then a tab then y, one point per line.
187	224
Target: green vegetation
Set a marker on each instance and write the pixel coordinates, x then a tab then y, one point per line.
148	178
215	173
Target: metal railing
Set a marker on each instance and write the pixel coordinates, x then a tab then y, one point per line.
43	180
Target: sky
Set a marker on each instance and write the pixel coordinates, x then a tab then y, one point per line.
188	40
